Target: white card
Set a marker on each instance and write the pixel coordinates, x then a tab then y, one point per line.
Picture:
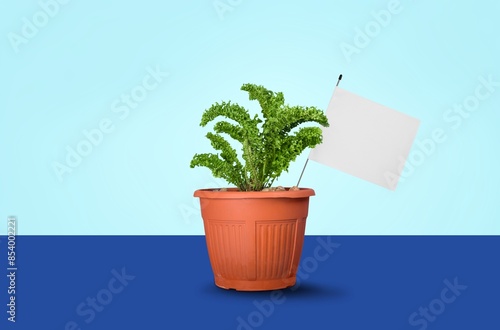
365	139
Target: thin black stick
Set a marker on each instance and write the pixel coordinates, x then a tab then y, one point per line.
338	81
307	160
303	169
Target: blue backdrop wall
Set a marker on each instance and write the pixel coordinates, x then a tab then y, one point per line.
101	103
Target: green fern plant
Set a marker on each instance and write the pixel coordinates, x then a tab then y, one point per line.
268	144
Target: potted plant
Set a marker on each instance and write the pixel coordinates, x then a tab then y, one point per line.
255	232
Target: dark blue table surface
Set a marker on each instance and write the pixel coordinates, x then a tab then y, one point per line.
165	282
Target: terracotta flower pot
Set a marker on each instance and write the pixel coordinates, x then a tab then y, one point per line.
254	239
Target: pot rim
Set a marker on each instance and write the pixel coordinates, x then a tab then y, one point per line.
234	193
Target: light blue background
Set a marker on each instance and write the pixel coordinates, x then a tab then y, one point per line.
137	180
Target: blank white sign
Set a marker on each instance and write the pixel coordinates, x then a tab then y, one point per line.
366	139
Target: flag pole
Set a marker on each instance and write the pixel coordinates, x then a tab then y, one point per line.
307	160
